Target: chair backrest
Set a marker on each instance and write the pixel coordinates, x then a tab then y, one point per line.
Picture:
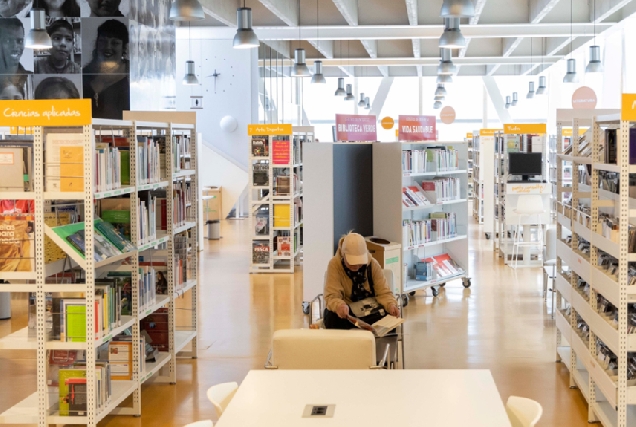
529	203
550	244
323	349
388	275
221	394
523	412
202	423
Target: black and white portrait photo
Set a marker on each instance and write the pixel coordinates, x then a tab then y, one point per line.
64	56
57	87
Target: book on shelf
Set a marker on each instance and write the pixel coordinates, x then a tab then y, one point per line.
261	221
412	196
64	157
181	157
64	391
431	159
441	190
17	242
151	159
437	267
116	211
283	245
260	174
114	236
156	329
123	282
120	359
147	218
416	232
107	167
260	146
260	252
282	215
15	163
610	146
123	146
282	185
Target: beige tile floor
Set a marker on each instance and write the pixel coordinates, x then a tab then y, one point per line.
501	324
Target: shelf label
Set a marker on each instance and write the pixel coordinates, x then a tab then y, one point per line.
417	128
516	128
489	132
628	107
263	129
356	128
59	112
469	135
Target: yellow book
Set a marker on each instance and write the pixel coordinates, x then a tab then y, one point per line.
71	168
282	215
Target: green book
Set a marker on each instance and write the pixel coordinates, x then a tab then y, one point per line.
64	375
76	323
125	166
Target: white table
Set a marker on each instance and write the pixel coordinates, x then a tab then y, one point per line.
369	398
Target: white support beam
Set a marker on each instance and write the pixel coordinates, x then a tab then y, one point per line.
323	46
474	20
606	8
371	46
397	32
428	61
222	10
285	10
497	99
349	10
377	103
412	11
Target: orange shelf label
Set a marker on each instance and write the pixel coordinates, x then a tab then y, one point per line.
59	112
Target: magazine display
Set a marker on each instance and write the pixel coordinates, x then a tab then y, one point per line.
260	252
260	146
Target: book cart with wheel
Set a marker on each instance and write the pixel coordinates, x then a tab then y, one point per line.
394	221
68	171
524	138
483	166
276	196
595	334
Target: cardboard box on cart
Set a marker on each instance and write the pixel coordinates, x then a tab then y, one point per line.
389	255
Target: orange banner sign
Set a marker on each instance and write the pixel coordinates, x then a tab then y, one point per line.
488	132
628	107
269	129
469	135
568	132
512	129
58	112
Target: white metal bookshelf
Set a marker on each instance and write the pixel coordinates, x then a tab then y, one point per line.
483	178
471	168
41	407
389	212
265	202
609	394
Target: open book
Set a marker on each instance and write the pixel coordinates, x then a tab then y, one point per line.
379	328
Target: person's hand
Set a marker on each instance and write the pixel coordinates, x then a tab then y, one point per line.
394	310
343	311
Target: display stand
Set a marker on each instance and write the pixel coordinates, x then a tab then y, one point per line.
483	176
390	176
518	138
275	196
584	285
42	407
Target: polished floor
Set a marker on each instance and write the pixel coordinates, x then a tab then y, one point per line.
501	323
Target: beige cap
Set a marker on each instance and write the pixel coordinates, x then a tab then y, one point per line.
354	249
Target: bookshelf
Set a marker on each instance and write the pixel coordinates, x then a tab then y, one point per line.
276	196
166	246
483	170
393	220
471	161
527	138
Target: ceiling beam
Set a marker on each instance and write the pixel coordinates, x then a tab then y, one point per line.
280	46
323	46
606	8
396	32
429	61
474	20
222	10
412	7
348	9
285	10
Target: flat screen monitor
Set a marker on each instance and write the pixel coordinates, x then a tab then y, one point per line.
525	164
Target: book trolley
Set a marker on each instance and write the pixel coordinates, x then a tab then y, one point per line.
395	221
595	334
276	196
93	397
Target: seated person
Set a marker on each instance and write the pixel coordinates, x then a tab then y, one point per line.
356	286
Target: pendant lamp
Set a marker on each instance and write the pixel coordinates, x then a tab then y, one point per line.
300	67
515	99
318	76
507	102
362	101
349	96
190	77
341	87
38	38
186	10
439	97
245	37
570	75
446	66
444	78
367	102
457	9
542	85
440	89
531	89
595	65
452	37
437	105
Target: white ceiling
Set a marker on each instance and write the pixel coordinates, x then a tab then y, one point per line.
502	36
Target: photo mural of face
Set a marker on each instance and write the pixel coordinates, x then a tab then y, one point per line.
16	63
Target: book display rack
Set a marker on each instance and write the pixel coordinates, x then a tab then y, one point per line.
103	297
420	200
276	196
595	246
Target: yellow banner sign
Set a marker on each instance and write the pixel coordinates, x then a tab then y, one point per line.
568	132
511	129
58	112
269	129
469	135
488	132
628	107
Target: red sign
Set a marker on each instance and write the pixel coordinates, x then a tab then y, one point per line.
356	128
281	153
417	128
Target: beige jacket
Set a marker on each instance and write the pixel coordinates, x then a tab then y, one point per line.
338	285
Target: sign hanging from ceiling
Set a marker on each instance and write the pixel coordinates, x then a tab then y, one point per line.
488	132
356	128
584	98
417	128
269	129
513	129
447	115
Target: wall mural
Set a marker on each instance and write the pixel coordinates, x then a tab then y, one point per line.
118	53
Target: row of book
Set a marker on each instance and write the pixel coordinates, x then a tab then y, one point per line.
183	262
439	226
432	159
151	159
181	202
111	167
181	155
436	268
108	241
147	215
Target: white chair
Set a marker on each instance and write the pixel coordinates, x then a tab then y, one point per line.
203	423
549	263
523	412
529	211
220	395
